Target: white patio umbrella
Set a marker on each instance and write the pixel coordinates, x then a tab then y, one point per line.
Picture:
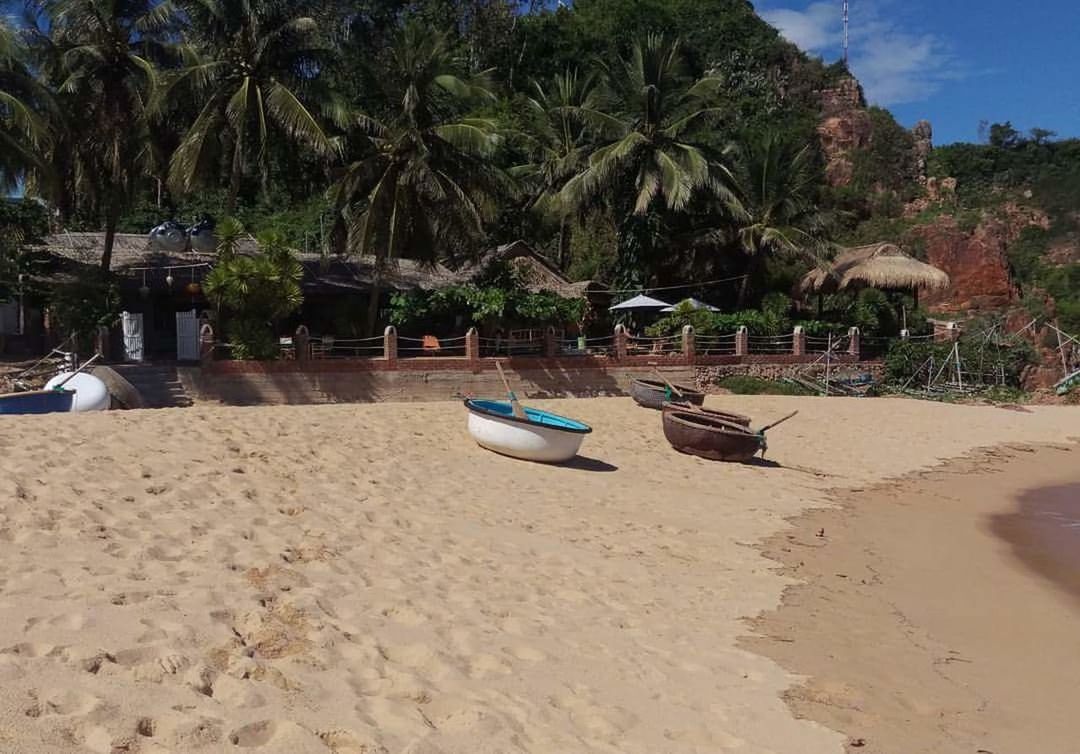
693	303
639	303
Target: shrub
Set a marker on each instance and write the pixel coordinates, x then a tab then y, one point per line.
978	354
252	340
746	385
254	292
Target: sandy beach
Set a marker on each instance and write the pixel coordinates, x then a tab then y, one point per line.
938	615
364	578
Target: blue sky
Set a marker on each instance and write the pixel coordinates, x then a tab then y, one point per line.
952	62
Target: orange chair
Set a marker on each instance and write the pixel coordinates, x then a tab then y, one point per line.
430	344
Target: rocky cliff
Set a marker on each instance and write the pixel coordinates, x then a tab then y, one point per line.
844	128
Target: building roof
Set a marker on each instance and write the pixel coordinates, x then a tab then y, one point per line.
132	253
879	265
535	271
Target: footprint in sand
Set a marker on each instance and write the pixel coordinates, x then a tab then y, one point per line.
62	702
281	735
348	742
29	649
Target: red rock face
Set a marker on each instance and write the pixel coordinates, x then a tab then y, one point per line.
845	127
976	263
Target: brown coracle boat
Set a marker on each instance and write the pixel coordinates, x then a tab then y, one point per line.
699	434
653	393
727	416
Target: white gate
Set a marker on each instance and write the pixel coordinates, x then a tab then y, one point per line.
187	336
133	336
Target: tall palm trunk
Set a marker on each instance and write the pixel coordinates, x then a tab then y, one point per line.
753	266
236	175
373	303
566	231
112	219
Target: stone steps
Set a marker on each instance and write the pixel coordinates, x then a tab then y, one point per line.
158	384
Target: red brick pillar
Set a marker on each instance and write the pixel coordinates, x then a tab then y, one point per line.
390	345
206	343
472	346
551	343
855	343
621	338
798	346
742	341
688	344
302	343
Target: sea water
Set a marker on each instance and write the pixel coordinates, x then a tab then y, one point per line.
1045	533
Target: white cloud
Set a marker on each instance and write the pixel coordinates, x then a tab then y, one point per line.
816	28
895	64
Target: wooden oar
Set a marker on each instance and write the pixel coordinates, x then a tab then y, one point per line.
519	412
670	387
775	423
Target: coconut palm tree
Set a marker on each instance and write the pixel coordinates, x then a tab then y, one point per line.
424	184
652	161
254	68
100	55
560	134
778	182
24	131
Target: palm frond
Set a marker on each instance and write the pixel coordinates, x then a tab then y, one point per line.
297	121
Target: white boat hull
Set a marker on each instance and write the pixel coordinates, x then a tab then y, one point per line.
91	394
523	440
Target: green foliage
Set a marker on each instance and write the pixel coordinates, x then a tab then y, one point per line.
425	182
80	306
21	222
704	322
746	385
1004	136
251	70
253	292
593	248
874	314
888	163
978	354
484	305
1050	169
251	339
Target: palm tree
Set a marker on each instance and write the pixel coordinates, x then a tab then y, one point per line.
252	67
778	182
24	132
100	54
425	184
651	162
559	130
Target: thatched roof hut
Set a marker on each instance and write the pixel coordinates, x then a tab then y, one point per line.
879	265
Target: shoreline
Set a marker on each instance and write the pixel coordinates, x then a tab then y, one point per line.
921	620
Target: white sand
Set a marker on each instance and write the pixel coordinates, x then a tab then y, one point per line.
366	579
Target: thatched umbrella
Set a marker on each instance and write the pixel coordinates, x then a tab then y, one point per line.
879	265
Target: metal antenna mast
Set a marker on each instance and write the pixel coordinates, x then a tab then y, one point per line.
846	32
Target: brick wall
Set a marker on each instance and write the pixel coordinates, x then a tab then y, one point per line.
341	382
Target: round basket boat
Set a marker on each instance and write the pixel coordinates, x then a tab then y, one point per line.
701	435
727	416
540	436
653	393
